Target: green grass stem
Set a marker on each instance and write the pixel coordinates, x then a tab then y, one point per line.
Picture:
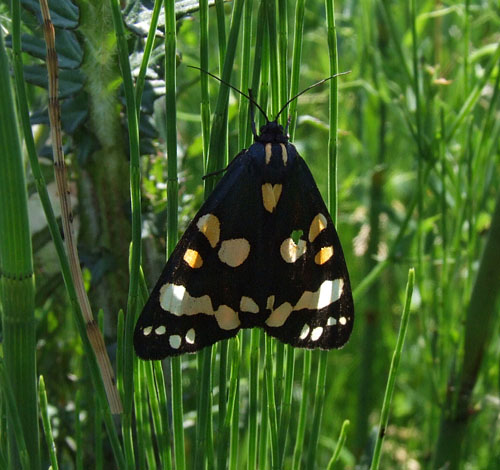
235	443
283	54
224	433
264	428
47	427
22	459
148	47
172	222
217	148
205	96
296	61
340	445
274	77
204	414
17	288
271	403
304	407
246	42
391	380
78	431
253	397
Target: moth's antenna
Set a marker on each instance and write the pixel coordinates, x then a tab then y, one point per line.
252	115
249	98
307	89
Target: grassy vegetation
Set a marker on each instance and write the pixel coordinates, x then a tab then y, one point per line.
404	149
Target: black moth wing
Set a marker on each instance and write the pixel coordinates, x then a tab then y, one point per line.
236	204
314	321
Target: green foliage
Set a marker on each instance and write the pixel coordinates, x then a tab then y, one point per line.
418	170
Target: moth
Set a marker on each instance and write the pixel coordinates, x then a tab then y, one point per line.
262	251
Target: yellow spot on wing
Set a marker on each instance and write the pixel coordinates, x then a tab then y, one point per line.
209	225
247	304
271	195
323	255
318	224
193	259
291	251
227	318
269	151
234	252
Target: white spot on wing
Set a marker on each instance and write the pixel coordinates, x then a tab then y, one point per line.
328	292
331	321
147	331
175	341
316	333
234	252
304	332
176	300
161	330
291	251
190	336
227	318
247	304
279	316
342	320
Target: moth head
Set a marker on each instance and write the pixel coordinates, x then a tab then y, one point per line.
272	132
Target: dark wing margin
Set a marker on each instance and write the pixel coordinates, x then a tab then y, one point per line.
316	286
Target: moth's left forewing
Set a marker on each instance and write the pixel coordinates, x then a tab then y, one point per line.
312	305
199	296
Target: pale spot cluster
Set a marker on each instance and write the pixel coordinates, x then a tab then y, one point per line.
232	252
175	300
291	251
174	340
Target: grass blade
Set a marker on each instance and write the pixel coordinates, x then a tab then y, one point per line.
391	380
